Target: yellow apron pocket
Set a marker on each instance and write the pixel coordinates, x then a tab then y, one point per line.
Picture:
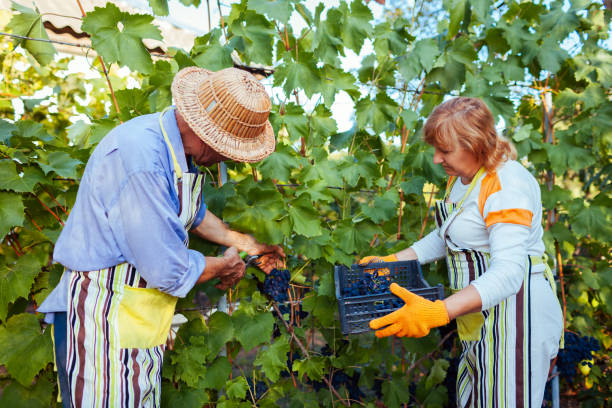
469	326
145	316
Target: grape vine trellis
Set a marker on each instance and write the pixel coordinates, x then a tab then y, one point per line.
508	53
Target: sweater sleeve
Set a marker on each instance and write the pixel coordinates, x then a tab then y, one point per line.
430	248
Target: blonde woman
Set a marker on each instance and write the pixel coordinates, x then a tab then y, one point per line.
489	230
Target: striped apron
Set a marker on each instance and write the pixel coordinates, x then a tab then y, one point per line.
117	326
494	367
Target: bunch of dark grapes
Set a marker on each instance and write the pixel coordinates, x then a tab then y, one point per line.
276	284
576	350
258	390
374	284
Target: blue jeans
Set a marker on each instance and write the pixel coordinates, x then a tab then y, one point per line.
61	356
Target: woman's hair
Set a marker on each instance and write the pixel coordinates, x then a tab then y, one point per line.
469	123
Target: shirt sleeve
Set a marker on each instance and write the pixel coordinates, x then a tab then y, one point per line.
150	235
430	248
505	275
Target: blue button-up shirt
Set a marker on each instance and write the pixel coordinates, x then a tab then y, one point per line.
126	210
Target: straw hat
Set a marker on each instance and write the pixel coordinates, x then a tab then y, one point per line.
227	109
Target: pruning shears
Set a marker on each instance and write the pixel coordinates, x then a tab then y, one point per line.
249	259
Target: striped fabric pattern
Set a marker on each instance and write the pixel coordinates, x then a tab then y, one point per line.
101	373
493	371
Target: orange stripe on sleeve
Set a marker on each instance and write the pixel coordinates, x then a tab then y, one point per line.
490	184
510	216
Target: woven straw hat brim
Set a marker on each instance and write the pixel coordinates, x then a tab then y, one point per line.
185	88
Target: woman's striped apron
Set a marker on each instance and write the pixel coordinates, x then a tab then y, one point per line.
494	367
117	327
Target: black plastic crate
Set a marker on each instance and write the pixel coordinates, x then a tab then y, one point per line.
356	311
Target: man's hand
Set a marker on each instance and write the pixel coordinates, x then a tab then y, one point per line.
270	257
229	269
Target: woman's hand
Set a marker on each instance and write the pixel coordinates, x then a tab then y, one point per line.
415	319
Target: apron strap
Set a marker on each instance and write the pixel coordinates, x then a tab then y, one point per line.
538	260
177	167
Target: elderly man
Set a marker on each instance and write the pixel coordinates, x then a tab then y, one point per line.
124	246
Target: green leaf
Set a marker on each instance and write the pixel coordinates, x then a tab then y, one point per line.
427	52
395	391
293	118
6	130
363	165
280	163
160	7
220	331
593	221
217	373
437	373
251	331
255	32
293	75
23	182
384	207
273	359
118	36
39	395
312	367
327	42
413	186
322	308
61	163
237	388
356	25
551	55
304	217
11	212
28	23
334	80
456	9
379	113
24	349
78	133
275	9
184	397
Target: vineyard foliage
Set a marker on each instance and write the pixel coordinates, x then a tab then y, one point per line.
327	197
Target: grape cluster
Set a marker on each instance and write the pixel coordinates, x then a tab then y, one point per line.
276	284
258	389
374	284
576	350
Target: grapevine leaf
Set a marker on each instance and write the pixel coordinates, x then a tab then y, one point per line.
19	337
159	7
322	308
237	388
6	130
301	74
274	358
255	31
334	80
305	217
220	331
78	133
28	23
456	9
551	55
279	10
11	212
327	42
395	391
118	36
217	373
23	182
437	374
413	186
312	367
184	397
356	25
379	113
251	331
280	163
593	221
326	285
293	118
383	208
39	395
61	163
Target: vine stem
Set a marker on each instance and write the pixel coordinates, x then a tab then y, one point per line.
104	70
307	354
48	209
431	194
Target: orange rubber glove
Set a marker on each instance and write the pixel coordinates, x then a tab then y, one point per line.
415	319
374	259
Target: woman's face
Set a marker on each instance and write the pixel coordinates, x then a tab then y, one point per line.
456	161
